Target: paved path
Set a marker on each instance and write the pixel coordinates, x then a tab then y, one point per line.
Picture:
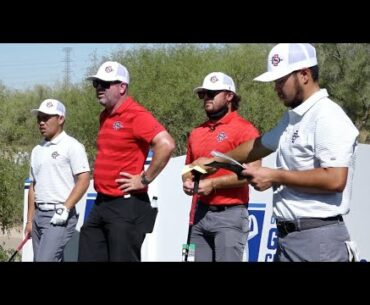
11	239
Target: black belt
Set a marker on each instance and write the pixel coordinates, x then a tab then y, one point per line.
103	197
220	208
286	227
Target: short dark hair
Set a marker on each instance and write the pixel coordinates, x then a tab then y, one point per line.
315	73
235	102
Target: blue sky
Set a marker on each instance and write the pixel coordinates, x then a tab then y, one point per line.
23	65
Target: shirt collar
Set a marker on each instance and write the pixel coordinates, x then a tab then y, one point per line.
224	120
57	139
122	108
312	100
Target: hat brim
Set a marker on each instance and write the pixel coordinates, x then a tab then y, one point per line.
272	76
36	111
95	77
196	90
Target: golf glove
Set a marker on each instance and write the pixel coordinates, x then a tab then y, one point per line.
60	216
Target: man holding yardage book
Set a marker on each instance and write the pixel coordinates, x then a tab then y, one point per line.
220	227
315	145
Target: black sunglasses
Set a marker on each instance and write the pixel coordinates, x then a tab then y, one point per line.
210	93
43	117
104	84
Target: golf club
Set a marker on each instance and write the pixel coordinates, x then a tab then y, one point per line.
20	246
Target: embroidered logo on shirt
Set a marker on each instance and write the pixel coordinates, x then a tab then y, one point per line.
55	154
221	136
275	60
295	136
117	125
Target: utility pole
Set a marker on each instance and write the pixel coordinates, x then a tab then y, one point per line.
67	71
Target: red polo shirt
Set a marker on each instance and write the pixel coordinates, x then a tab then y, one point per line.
123	143
223	136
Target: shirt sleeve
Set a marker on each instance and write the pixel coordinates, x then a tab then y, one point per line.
78	159
271	139
30	174
335	138
248	133
146	127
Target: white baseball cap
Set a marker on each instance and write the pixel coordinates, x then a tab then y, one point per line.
217	81
111	71
284	58
51	106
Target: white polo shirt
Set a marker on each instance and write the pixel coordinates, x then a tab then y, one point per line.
317	133
54	165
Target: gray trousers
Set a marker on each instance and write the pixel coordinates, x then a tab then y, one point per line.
322	244
49	240
220	236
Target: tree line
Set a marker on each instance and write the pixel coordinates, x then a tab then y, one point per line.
162	79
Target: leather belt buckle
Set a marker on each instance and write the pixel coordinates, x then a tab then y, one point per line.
286	227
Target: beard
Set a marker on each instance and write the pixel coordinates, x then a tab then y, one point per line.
297	99
216	115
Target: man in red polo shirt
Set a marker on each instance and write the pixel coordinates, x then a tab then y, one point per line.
122	214
221	224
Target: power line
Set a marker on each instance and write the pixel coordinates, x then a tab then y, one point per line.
67	71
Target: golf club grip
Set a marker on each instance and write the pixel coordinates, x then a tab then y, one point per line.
193	208
20	246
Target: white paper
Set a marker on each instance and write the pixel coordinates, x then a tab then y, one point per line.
221	155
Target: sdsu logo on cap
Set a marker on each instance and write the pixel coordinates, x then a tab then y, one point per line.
275	60
108	69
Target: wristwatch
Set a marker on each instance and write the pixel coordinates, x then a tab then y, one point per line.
144	180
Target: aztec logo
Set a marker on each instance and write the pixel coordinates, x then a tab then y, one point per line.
256	218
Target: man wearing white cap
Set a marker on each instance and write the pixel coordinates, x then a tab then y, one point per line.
59	178
122	214
315	143
221	225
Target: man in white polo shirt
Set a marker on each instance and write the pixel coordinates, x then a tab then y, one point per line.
60	177
315	143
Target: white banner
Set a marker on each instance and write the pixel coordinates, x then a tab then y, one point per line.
170	231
